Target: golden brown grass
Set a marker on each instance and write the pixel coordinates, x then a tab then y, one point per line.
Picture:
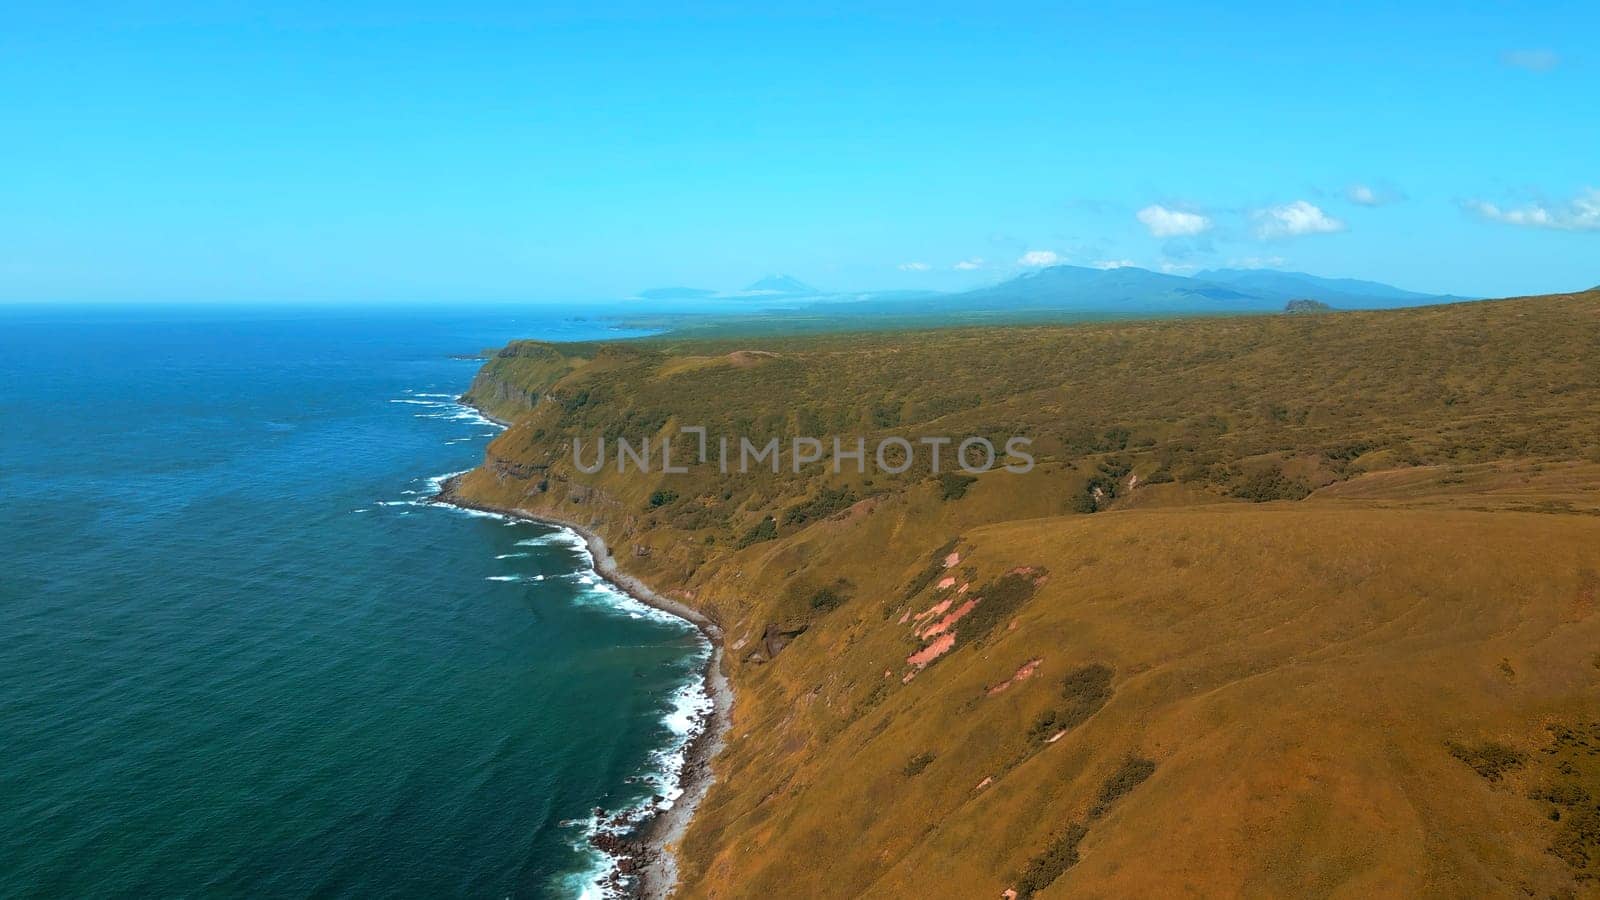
1388	686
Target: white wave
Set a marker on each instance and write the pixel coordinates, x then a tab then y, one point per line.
449	408
476	513
691	704
688	707
435	483
688	713
555	537
468	414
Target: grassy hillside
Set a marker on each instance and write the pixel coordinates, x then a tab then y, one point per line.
1294	604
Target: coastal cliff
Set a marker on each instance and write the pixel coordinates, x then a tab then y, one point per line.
1281	605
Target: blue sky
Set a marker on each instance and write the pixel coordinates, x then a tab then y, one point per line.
397	151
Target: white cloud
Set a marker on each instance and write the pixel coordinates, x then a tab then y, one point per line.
1039	258
1164	222
967	265
1175	268
1367	195
1294	219
1582	213
1114	264
915	267
1532	60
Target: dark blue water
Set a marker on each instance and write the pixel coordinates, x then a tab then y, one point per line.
237	655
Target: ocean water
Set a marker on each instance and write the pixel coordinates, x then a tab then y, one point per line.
237	655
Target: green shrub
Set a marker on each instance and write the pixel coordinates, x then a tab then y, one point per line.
1488	758
827	502
916	764
1270	484
829	598
1084	691
999	600
1058	857
1132	773
953	486
930	573
764	530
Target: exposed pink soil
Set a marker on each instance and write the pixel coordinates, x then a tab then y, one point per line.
952	560
1022	674
859	509
1040	576
933	651
944	624
945	582
746	358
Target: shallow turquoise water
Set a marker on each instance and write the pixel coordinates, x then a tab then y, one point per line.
238	657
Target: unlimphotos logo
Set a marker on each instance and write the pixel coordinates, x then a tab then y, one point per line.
891	455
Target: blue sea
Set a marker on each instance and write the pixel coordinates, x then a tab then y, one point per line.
239	654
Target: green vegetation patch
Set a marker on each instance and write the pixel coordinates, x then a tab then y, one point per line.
916	764
1132	773
1572	761
1104	486
931	572
764	530
1057	858
999	601
1488	758
827	502
1270	484
830	597
1084	691
1061	853
953	486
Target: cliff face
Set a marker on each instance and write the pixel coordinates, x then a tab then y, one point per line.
1114	673
509	385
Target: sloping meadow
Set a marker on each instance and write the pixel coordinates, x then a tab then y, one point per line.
1261	576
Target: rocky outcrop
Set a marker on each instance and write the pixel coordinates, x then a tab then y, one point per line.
774	637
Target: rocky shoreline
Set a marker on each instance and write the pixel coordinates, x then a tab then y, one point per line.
643	842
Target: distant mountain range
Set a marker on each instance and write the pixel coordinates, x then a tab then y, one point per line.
1347	292
1131	290
787	285
1080	291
